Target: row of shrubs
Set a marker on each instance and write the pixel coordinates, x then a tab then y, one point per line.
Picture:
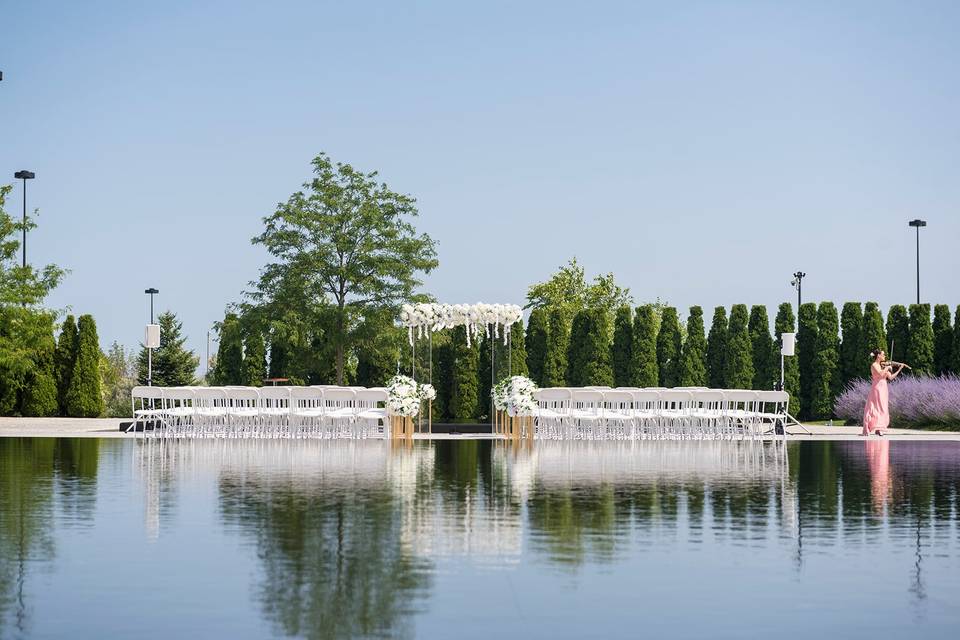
915	401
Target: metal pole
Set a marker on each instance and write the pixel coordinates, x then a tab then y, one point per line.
918	264
151	308
782	386
24	223
149	367
208	355
799	290
493	409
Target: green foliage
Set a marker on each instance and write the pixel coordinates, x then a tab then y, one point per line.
517	351
826	362
717	349
898	331
118	373
693	359
920	345
576	350
348	239
228	369
762	349
568	292
85	395
254	357
955	351
806	350
536	343
668	348
443	356
597	368
40	388
851	344
738	364
555	363
644	371
942	340
464	395
173	364
378	352
784	323
19	285
622	342
872	336
64	358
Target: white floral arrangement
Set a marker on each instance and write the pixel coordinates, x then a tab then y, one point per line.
403	396
478	318
427	392
515	395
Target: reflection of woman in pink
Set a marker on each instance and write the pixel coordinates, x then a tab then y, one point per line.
878	457
876	415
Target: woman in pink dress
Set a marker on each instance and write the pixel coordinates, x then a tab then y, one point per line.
876	415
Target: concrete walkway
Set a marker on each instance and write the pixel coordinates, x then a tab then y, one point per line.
110	428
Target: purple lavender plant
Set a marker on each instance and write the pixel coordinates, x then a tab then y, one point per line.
915	401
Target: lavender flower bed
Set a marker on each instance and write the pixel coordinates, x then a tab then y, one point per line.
915	401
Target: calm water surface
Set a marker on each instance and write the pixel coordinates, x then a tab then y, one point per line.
477	539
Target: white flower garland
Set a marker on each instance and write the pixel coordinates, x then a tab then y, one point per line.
404	395
477	318
515	395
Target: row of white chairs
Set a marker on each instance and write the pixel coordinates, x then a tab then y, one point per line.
321	411
627	413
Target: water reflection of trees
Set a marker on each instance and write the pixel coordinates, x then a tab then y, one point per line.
41	480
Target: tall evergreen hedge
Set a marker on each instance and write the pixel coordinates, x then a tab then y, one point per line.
64	358
85	395
806	349
872	336
622	343
644	371
668	348
517	351
254	357
576	350
464	400
717	349
555	363
942	340
920	345
762	348
851	343
597	368
536	343
229	366
693	358
898	332
826	374
443	360
40	389
738	364
784	323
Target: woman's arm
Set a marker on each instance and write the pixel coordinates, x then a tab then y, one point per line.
891	376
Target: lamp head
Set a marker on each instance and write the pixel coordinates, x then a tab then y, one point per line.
918	223
151	290
23	174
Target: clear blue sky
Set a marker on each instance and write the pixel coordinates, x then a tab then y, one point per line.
702	151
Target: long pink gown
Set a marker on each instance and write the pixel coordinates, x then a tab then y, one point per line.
876	415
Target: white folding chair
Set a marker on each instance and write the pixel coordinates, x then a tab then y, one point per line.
708	413
146	403
339	411
743	411
618	415
646	404
372	412
586	413
212	405
274	406
180	410
243	411
553	409
774	406
306	411
673	413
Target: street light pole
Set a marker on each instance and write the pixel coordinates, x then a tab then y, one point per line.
797	282
24	175
151	292
917	224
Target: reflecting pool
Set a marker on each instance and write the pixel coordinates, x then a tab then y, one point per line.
478	539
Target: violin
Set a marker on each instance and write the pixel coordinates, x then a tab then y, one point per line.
893	363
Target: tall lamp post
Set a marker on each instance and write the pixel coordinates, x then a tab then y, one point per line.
917	224
797	283
26	175
152	337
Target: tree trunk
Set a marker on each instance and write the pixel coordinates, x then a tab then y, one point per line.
340	345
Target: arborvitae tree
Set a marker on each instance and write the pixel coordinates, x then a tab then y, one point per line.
644	371
173	364
955	351
464	400
784	323
668	348
443	374
229	367
280	358
920	345
693	356
898	331
872	336
40	391
738	365
500	360
762	348
851	344
942	340
555	362
597	369
536	344
254	357
64	358
806	350
622	342
85	395
517	351
576	349
717	349
826	362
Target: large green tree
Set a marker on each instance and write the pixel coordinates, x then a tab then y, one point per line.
228	369
898	331
555	362
784	323
517	351
738	364
40	388
717	348
64	358
942	340
693	358
872	336
806	350
826	362
85	395
597	368
622	342
920	344
567	290
173	364
349	239
577	350
668	348
644	371
851	343
254	356
464	394
536	343
762	348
